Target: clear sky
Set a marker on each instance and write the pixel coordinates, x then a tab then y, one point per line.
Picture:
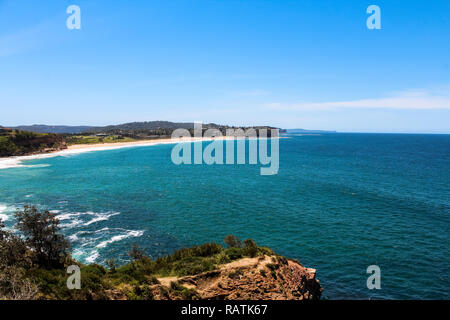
294	64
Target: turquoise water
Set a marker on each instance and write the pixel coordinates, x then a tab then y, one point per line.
340	203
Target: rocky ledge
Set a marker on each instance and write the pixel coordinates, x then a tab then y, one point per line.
261	278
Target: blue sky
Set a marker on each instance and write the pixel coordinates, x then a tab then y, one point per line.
292	64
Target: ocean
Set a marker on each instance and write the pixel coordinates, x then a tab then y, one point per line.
340	203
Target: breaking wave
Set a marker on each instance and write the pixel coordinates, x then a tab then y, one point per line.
5	212
88	243
87	239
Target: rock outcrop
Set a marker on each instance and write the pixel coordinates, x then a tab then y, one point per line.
261	278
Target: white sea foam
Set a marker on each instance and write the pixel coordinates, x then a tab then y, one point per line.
77	254
15	162
3	216
81	236
42	165
76	218
92	257
89	243
71	224
67	216
130	233
101	217
73	237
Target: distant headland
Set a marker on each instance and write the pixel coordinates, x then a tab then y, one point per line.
41	139
38	139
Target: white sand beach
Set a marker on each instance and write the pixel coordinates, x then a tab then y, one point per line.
12	162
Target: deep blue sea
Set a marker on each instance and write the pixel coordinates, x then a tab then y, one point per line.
340	203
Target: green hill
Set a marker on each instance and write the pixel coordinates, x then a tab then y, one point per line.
19	143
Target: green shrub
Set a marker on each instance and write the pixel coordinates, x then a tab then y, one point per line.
15	286
93	268
140	293
234	253
150	280
265	251
183	292
250	249
232	242
189	294
223	258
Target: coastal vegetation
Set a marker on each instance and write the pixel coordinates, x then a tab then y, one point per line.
18	143
34	259
161	129
95	139
43	139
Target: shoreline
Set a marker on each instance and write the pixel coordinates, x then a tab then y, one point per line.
139	143
17	161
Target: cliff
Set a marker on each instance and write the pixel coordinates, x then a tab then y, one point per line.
266	276
262	278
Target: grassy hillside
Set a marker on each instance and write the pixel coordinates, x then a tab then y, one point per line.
91	139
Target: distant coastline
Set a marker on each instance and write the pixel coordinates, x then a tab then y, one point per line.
305	131
149	142
42	139
17	161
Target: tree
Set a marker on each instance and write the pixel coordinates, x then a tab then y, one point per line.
13	259
40	229
112	265
15	286
233	242
136	253
13	250
251	248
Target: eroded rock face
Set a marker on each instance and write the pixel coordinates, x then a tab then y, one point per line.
261	278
